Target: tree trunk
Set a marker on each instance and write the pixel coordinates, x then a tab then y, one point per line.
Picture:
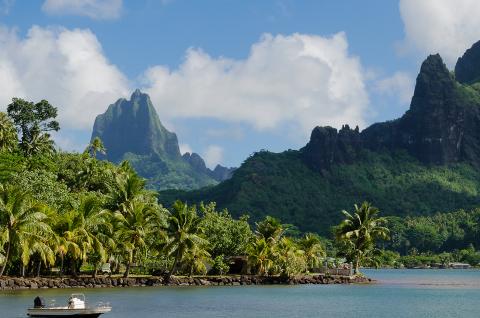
127	270
190	273
117	268
39	267
129	264
22	271
61	264
7	254
74	268
175	263
357	265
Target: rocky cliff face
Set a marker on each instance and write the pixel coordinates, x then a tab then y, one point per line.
328	146
422	163
220	173
467	69
131	130
133	126
442	125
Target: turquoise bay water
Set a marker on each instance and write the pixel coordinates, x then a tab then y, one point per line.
397	293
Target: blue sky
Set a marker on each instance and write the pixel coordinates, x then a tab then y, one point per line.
229	77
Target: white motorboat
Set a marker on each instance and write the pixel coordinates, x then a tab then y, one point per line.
77	307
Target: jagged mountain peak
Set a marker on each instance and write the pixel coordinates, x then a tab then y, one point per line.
131	130
442	125
467	69
134	126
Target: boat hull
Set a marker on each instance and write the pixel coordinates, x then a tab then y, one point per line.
63	313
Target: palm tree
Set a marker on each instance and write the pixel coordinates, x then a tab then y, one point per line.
42	250
313	248
185	233
23	223
289	258
271	229
85	229
126	187
39	143
96	145
197	258
8	133
260	256
135	223
359	231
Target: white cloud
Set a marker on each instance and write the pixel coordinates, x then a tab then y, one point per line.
287	83
399	85
66	67
184	148
95	9
440	26
213	155
297	80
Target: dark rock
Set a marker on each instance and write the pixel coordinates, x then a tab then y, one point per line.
442	126
221	173
327	147
467	69
131	130
133	126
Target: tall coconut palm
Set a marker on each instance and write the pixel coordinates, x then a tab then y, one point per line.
289	258
260	256
359	232
96	146
126	187
23	222
134	224
39	143
185	233
86	229
8	133
42	250
271	229
313	248
197	259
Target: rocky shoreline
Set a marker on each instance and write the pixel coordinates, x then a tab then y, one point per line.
16	283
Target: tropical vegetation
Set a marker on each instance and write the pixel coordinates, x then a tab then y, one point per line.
75	213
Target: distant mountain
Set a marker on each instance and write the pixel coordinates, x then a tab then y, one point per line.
219	173
131	130
426	161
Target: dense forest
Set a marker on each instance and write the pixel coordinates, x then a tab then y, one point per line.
286	188
75	213
425	162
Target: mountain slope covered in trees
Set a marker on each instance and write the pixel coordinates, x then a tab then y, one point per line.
424	162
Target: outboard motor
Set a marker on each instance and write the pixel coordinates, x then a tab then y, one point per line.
38	302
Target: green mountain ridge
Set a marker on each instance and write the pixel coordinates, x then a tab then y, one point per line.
424	162
131	130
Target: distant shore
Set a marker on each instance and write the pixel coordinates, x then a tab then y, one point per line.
18	283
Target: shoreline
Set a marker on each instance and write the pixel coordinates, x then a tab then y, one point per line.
19	283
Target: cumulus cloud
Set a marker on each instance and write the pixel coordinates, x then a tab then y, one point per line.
95	9
298	80
400	85
286	83
440	26
213	155
66	67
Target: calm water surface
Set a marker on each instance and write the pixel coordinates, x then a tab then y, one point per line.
398	293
